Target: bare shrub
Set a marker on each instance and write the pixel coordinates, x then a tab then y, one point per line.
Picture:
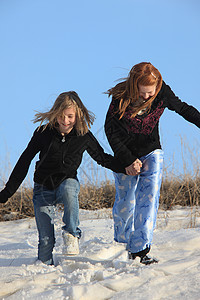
19	206
97	191
177	191
95	197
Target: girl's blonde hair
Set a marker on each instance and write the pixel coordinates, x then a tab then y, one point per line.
127	91
84	118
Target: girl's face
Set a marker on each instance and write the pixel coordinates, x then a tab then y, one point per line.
67	121
146	92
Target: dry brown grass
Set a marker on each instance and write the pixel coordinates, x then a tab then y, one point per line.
96	197
19	206
176	189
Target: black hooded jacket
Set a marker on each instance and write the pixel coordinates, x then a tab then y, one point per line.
59	158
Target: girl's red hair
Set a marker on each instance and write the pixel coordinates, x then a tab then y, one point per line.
127	91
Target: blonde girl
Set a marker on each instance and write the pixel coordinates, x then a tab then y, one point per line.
60	142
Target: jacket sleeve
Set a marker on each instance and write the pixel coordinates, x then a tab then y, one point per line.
119	139
21	168
188	112
105	160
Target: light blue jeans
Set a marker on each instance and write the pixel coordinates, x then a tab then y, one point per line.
44	201
136	203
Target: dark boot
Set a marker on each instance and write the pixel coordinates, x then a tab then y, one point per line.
147	260
144	259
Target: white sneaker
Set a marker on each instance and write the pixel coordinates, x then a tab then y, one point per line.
71	246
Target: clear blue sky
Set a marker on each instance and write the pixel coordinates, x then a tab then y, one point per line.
48	47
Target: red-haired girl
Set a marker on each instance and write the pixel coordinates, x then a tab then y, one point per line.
132	130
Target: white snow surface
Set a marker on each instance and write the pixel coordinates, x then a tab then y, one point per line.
102	270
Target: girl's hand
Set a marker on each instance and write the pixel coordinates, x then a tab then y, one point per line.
134	168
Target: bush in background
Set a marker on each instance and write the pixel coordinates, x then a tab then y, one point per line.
176	191
97	191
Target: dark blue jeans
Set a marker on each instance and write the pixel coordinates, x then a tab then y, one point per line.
44	201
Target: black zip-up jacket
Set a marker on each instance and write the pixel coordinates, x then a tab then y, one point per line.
59	158
132	138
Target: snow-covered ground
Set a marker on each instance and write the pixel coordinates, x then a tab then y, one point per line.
102	270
